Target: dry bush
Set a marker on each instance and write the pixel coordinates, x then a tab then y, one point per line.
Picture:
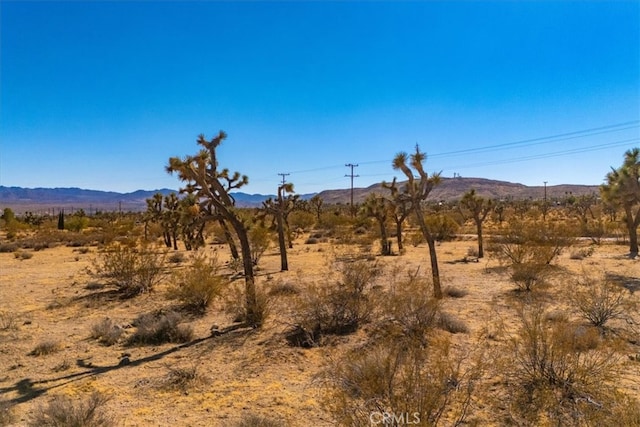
107	331
335	308
133	271
8	247
599	300
259	239
582	253
253	420
63	411
45	348
410	384
283	289
182	378
199	284
558	373
176	258
529	249
409	312
159	328
22	255
8	320
453	292
452	324
236	307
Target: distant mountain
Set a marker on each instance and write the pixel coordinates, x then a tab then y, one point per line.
451	189
43	199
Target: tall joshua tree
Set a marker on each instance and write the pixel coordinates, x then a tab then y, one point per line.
477	208
416	190
623	189
213	185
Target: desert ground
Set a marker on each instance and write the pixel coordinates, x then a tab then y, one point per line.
51	297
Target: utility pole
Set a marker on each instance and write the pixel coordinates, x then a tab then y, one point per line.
351	175
283	177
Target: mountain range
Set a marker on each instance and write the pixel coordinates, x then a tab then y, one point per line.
44	199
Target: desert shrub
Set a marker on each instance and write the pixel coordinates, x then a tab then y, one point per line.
253	420
599	300
451	324
235	306
76	223
45	348
301	220
411	385
557	374
8	320
283	289
453	292
529	248
133	271
335	308
409	312
22	255
582	253
182	378
107	331
442	226
259	240
8	247
159	328
176	258
311	241
199	284
63	411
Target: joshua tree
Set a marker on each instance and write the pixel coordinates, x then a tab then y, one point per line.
477	208
316	203
280	209
414	192
623	189
379	208
212	186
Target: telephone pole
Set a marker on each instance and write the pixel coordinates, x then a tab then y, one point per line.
351	175
283	175
544	210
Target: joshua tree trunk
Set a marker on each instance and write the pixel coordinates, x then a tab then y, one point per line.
399	235
284	265
435	271
229	238
480	241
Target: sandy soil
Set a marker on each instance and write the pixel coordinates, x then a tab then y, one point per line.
44	298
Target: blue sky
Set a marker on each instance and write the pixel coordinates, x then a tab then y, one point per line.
99	95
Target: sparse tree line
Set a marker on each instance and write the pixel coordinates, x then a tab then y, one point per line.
406	364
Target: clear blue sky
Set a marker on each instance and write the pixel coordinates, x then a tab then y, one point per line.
99	95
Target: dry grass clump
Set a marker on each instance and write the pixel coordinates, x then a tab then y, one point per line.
8	247
182	378
453	292
198	285
253	420
22	255
452	324
63	411
107	331
160	328
283	289
8	320
45	348
582	253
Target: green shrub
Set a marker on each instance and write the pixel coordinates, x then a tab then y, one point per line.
199	284
132	271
